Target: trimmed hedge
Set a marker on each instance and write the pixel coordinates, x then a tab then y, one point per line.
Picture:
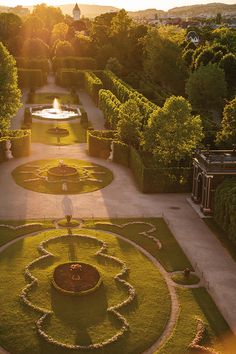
125	92
70	78
31	78
33	63
92	85
110	105
225	207
81	63
99	142
20	143
121	153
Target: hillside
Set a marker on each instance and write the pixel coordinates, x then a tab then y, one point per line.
208	9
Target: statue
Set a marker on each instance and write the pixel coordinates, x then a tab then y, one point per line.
112	152
8	150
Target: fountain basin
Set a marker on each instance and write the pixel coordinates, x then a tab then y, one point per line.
67	282
48	112
62	171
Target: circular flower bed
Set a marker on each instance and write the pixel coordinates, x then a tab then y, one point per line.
67	176
62	171
76	278
58	131
179	278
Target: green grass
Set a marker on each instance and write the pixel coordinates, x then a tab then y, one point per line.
64	223
179	278
222	236
197	303
47	98
170	256
7	234
77	134
80	320
147	315
33	169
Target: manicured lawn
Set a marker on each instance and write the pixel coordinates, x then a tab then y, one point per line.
85	319
91	177
222	236
77	134
7	234
47	98
170	256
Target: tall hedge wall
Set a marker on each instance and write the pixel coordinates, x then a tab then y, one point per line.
121	153
33	63
92	85
124	92
70	78
20	143
81	63
31	78
109	104
99	142
225	207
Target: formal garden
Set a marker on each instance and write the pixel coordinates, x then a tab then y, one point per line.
107	114
125	307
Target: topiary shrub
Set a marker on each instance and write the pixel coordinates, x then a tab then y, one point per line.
21	141
92	85
31	78
109	104
121	153
99	143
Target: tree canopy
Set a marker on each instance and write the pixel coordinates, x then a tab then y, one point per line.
9	92
227	134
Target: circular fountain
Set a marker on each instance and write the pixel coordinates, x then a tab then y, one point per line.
55	112
62	170
76	278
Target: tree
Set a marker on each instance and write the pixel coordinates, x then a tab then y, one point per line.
33	26
9	92
64	49
10	26
114	65
35	47
206	87
227	133
204	58
129	123
163	62
82	45
50	15
59	31
228	64
173	132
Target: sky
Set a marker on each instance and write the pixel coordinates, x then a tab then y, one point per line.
132	5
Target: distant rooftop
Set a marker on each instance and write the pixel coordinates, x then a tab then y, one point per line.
76	8
217	161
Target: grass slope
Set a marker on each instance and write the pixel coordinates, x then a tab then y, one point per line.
77	134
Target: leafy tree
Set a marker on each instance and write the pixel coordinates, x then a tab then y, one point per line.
35	47
204	58
10	26
172	132
64	49
82	45
228	64
129	123
225	36
50	15
114	65
59	31
206	87
33	26
163	62
227	133
188	57
9	92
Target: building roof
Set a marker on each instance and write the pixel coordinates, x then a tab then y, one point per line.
217	161
76	8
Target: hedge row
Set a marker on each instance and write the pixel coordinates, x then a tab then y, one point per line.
149	180
81	63
225	207
109	104
124	92
31	78
20	143
92	85
35	63
70	78
99	142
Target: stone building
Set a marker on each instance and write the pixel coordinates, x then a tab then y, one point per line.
210	168
76	13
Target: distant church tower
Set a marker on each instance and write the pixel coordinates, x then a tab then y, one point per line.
76	13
